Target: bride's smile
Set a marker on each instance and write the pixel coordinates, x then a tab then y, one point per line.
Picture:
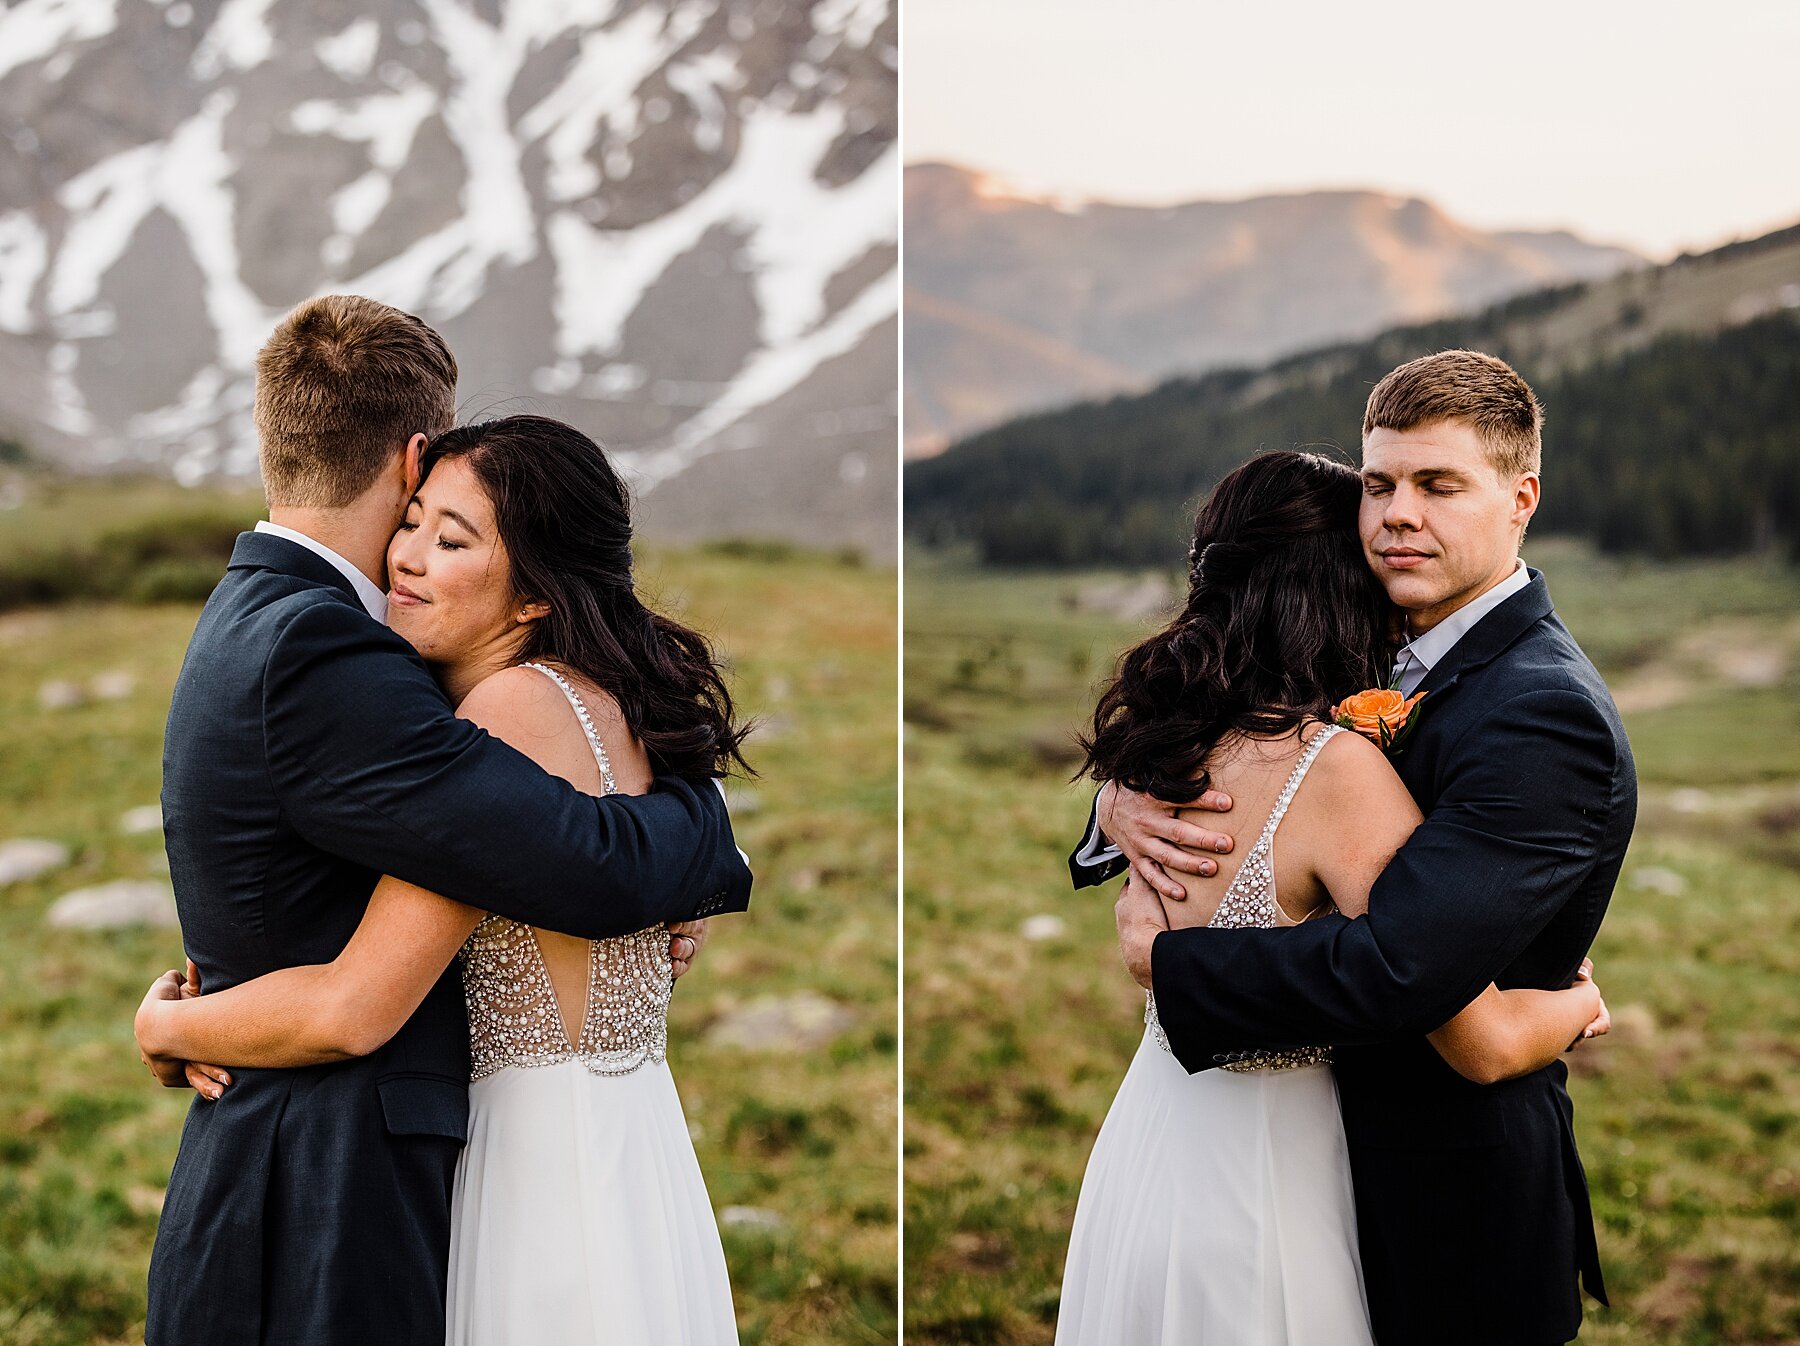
450	581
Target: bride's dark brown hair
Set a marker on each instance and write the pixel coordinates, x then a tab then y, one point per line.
1283	619
565	517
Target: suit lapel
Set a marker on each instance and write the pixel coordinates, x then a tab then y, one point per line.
1492	636
1484	642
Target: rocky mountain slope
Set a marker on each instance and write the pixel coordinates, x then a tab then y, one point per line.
1015	304
1672	426
671	222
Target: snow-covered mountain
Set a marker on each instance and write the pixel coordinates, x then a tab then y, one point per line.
671	222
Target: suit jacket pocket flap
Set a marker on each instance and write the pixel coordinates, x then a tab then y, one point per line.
418	1105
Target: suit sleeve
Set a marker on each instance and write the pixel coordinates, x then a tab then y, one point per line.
371	764
1095	859
1515	831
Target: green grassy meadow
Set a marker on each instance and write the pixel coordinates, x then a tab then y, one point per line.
86	1140
1688	1114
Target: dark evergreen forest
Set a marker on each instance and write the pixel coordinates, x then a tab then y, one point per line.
1686	446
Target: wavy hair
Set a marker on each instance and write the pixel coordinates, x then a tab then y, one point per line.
565	516
1283	619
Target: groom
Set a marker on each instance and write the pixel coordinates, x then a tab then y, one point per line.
1471	1202
309	752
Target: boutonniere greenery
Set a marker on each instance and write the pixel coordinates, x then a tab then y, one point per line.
1383	715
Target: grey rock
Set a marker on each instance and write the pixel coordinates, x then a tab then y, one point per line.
792	1023
113	686
61	695
27	857
751	1217
1656	879
115	906
142	819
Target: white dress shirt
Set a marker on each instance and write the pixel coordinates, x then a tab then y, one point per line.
371	597
1415	659
1412	662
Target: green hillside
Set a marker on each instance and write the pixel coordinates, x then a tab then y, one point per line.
1673	424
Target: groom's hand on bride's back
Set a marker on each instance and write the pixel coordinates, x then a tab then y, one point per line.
1154	838
685	941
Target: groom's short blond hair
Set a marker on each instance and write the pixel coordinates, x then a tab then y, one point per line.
1480	391
341	386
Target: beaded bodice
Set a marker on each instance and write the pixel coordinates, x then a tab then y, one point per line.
514	1019
1249	903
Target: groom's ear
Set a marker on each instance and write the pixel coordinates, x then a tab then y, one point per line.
415	454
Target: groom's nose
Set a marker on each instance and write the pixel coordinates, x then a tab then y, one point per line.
1402	514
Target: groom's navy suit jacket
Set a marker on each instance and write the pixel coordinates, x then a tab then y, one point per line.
1471	1202
309	752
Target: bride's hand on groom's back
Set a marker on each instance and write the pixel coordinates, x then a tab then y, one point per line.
1154	838
169	1071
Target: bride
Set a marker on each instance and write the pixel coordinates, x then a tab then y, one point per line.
579	1213
1217	1207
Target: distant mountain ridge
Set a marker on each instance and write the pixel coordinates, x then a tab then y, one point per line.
1014	304
1672	426
671	222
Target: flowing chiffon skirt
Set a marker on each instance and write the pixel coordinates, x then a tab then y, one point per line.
580	1216
1216	1211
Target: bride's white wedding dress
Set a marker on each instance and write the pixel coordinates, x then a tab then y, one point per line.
579	1214
1216	1209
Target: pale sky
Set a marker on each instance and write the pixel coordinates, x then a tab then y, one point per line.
1656	124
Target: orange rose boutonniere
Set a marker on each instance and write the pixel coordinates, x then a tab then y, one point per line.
1382	715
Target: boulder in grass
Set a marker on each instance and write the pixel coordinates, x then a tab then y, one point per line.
1656	879
61	695
113	686
28	857
751	1217
115	906
142	819
791	1023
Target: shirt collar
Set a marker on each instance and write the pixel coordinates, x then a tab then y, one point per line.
372	599
1431	647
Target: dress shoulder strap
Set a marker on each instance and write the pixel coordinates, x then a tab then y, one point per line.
607	784
1288	791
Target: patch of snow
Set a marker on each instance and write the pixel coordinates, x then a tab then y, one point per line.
24	254
498	223
600	86
194	187
699	80
239	39
34	29
385	122
852	20
351	53
68	409
189	177
199	405
800	234
355	207
767	375
105	203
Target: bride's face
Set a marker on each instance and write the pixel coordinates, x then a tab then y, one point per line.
449	579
